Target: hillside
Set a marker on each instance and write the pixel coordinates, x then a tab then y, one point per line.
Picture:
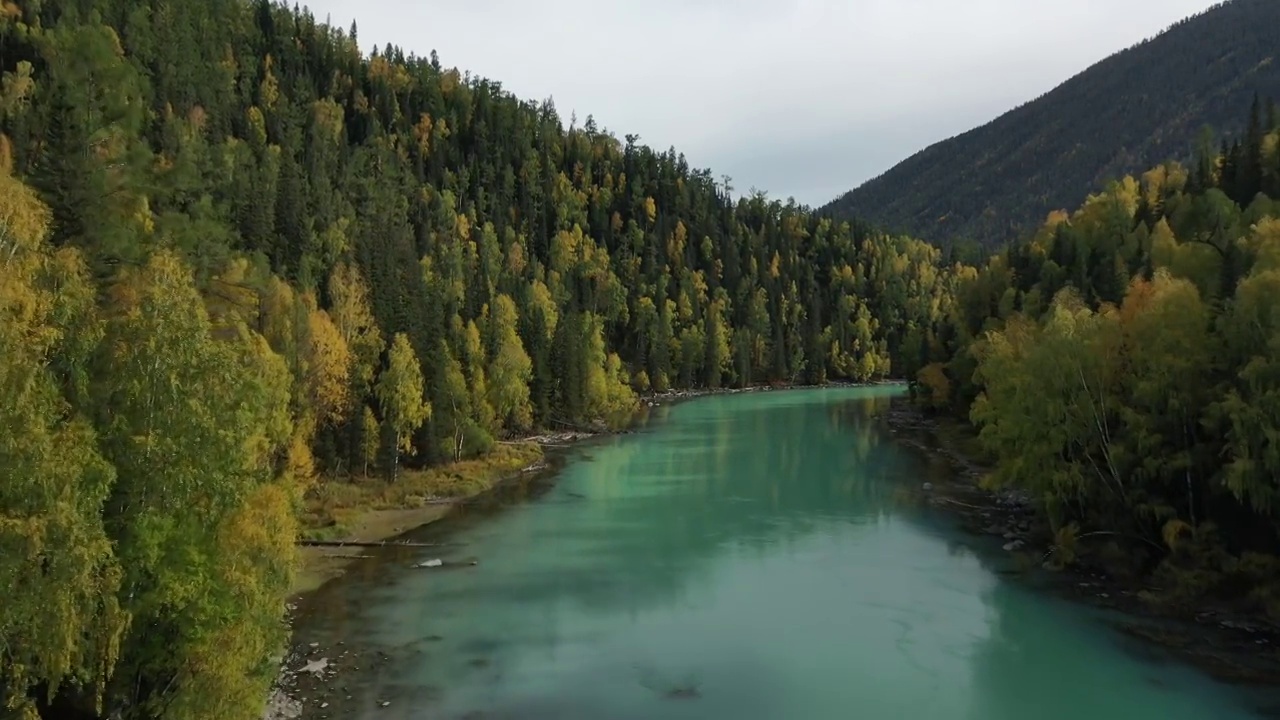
1138	107
244	266
246	269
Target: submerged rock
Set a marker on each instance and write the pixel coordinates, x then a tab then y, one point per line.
683	693
1242	626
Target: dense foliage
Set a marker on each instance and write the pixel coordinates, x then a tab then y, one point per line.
239	261
1123	367
1140	107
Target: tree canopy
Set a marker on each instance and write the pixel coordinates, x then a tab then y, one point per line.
1121	367
242	260
239	261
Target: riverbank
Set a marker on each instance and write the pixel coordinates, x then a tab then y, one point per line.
1229	645
364	510
371	510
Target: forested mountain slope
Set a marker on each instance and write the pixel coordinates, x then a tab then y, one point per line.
1123	368
239	260
1137	108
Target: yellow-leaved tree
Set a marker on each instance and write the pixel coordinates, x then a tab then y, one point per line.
328	378
60	623
400	394
510	368
353	316
192	425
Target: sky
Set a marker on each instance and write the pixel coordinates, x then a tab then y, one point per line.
798	98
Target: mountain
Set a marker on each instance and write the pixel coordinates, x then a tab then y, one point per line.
1137	108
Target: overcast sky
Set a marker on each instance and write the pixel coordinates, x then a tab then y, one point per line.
800	98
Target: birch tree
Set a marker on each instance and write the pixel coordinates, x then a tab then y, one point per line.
399	391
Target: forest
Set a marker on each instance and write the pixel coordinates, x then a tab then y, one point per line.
241	262
1122	368
1152	102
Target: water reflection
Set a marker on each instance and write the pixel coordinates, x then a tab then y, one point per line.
743	556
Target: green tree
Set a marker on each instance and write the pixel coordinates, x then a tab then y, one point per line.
192	426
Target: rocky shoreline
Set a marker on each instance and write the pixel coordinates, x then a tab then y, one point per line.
1229	646
306	671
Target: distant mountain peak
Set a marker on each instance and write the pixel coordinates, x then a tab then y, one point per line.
1136	108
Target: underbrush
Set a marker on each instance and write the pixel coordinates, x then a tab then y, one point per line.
963	439
1203	570
334	505
1195	572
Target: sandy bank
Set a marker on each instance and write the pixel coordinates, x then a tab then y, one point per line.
318	565
375	510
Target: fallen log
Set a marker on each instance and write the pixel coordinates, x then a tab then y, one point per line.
957	503
385	543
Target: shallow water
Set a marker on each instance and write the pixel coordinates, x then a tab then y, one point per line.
746	556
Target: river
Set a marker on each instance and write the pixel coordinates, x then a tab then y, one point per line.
750	556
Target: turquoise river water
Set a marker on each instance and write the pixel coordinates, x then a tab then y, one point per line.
745	557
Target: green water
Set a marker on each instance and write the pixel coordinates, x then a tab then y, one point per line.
744	557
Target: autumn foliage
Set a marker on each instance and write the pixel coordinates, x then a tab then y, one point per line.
1121	367
242	264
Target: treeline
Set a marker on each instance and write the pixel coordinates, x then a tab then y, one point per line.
239	260
1123	366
